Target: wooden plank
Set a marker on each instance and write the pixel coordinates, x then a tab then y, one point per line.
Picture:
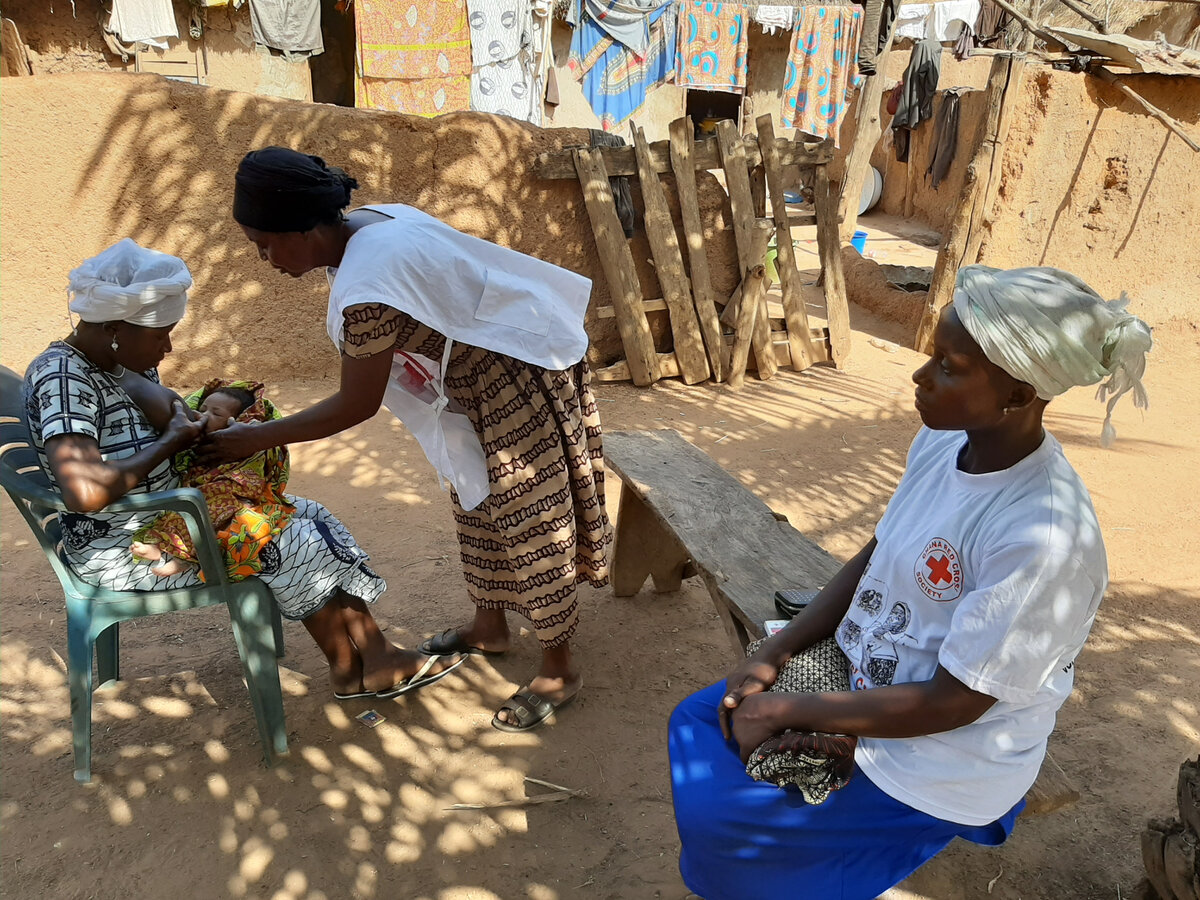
744	333
742	550
737	183
617	263
867	129
610	312
668	367
741	202
706	155
668	263
970	210
785	262
681	148
758	189
829	245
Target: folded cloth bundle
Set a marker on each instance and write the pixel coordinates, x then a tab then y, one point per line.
815	762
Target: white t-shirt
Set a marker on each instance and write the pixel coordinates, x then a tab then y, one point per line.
996	577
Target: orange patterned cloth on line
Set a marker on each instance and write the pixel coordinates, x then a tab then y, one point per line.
414	56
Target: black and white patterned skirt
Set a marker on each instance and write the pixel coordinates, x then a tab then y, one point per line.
305	565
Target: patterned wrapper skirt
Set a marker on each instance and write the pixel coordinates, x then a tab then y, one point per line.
305	565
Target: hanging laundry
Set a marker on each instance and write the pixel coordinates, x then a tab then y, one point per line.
293	27
991	24
414	56
878	18
712	46
771	17
948	19
965	45
508	50
144	22
821	69
945	137
614	79
917	93
625	21
912	20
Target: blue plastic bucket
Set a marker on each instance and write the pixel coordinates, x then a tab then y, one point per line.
859	241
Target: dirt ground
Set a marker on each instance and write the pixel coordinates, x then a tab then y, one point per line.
182	805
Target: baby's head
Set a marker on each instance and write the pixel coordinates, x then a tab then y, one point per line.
224	404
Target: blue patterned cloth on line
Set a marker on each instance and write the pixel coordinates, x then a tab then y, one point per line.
615	79
822	69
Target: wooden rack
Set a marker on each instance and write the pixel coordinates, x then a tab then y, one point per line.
712	337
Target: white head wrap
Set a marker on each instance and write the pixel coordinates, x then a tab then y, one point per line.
128	283
1047	328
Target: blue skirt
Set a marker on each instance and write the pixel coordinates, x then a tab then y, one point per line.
744	839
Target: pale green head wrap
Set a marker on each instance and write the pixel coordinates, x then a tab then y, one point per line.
1047	328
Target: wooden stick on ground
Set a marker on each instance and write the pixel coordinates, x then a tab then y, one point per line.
617	263
668	263
682	141
558	793
785	262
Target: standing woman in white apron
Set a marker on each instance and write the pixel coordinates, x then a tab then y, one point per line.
479	350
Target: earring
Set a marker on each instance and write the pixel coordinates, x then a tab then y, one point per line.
115	346
1006	409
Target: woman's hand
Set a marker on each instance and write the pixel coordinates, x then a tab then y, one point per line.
757	718
183	430
237	441
753	675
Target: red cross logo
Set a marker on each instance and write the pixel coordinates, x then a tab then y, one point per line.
939	570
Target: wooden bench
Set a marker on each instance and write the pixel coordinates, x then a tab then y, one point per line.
682	515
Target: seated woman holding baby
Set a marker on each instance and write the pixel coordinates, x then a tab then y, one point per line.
104	427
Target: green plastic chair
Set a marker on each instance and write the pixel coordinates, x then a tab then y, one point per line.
94	614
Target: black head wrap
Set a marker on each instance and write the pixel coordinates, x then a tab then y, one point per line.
279	190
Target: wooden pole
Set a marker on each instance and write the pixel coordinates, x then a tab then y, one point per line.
745	225
785	262
867	129
668	263
753	288
1029	25
617	263
1086	14
964	228
682	144
1107	76
829	245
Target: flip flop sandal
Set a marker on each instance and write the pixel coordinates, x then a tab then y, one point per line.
449	642
421	678
358	695
530	709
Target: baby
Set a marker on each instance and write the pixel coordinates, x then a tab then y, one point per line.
246	501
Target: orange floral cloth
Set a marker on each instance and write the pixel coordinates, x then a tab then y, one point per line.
245	498
414	56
